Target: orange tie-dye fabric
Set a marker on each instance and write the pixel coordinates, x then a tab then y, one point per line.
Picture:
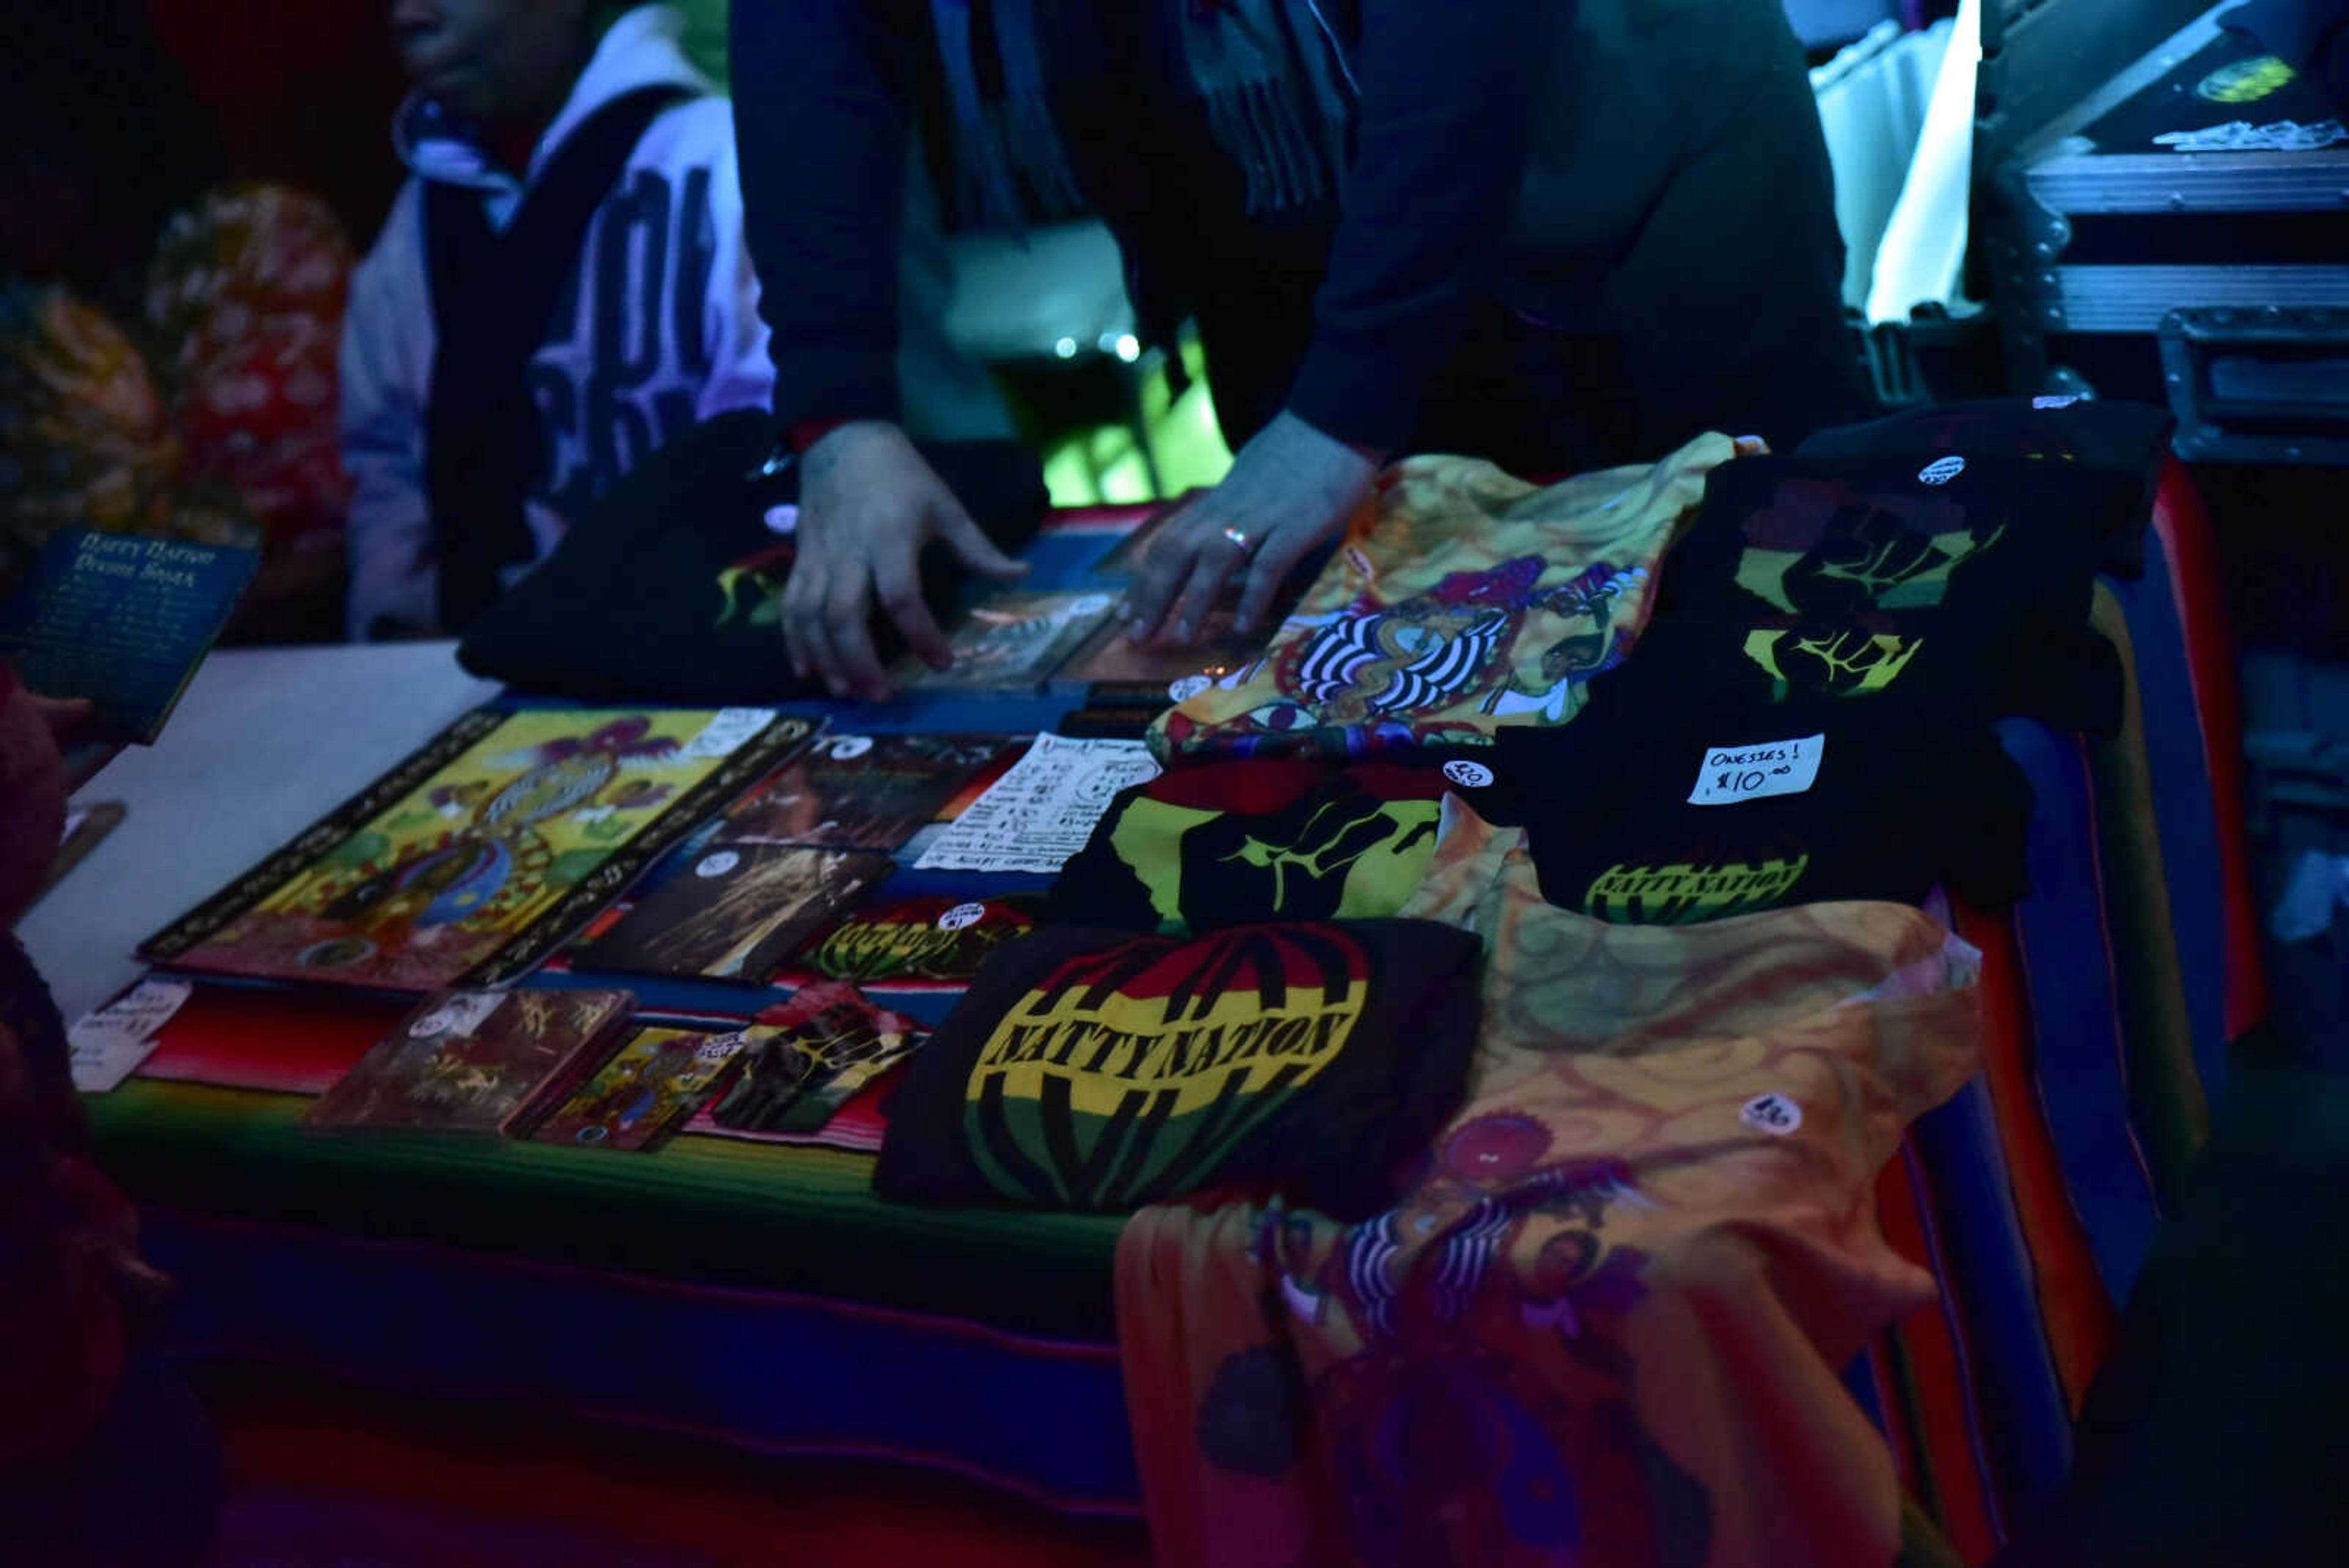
1463	600
1605	1322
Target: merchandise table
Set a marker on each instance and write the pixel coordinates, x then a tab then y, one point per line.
758	1295
761	1294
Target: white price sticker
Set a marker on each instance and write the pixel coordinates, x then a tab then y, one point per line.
2053	402
961	917
1773	1114
109	1044
717	865
1942	469
1733	774
1190	685
728	730
1468	774
848	748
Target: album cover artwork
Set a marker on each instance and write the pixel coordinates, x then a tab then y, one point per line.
828	1043
482	852
860	792
1114	659
935	938
1015	641
736	911
473	1062
655	1084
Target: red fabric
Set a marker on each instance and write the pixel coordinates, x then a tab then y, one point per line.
1947	1419
1261	786
2078	1313
282	1042
2183	525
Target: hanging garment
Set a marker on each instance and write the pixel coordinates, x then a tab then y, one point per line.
1606	1322
1462	601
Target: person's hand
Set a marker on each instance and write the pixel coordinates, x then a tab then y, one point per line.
32	795
868	503
63	715
1290	489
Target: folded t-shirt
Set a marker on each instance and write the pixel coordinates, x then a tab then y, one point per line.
1957	589
670	587
1273	838
1463	601
1097	1070
1811	713
1742	818
2124	446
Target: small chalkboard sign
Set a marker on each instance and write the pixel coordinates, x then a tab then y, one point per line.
123	621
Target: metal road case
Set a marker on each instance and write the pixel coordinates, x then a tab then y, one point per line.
2184	226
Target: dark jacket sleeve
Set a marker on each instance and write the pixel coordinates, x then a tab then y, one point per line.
821	111
1443	132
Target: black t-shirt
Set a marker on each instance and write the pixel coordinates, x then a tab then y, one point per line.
1236	843
1694	832
1957	589
1100	1071
1811	713
2124	446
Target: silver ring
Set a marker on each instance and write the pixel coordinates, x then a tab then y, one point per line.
1238	539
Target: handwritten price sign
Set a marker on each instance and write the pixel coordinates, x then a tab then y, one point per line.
1733	774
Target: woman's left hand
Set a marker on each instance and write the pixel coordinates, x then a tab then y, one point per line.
1290	489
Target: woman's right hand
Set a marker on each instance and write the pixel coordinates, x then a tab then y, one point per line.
868	504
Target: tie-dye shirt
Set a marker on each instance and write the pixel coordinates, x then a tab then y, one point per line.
1460	601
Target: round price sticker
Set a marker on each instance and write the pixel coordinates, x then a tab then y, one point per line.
848	748
961	916
1190	685
1773	1114
717	865
1941	471
1468	774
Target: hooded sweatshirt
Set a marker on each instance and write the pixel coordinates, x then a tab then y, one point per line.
658	331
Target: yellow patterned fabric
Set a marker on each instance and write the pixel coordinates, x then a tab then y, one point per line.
1461	599
1604	1326
213	420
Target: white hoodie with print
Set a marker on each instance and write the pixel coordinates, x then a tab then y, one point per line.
690	344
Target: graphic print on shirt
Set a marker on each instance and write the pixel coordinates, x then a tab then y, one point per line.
1133	1070
638	320
1351	856
1687	893
935	938
1839	566
1373	660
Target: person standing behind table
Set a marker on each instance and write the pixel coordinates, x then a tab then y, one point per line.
560	288
1553	234
601	301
